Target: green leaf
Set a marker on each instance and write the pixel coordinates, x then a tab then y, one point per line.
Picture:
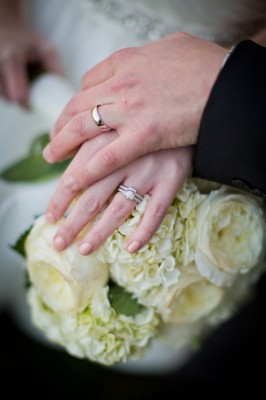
33	168
123	302
19	246
196	343
27	281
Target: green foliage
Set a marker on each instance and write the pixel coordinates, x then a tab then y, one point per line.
123	302
33	167
19	246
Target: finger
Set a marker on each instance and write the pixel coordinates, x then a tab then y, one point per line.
115	215
42	51
75	180
15	80
120	152
161	198
50	59
78	130
98	74
156	209
66	191
87	206
83	101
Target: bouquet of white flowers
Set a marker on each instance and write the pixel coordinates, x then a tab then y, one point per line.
109	306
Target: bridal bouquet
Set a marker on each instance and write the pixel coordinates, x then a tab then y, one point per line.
109	306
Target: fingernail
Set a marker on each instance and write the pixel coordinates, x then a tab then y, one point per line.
50	218
134	246
47	153
60	243
85	248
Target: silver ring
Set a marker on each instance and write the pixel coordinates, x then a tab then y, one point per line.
97	119
130	193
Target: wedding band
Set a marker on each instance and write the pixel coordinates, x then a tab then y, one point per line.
130	193
97	119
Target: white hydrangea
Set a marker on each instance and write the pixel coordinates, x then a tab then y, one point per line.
157	264
97	333
194	272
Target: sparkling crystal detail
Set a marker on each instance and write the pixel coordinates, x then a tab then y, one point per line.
130	193
138	22
145	26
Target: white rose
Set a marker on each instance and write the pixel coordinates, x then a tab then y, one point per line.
230	234
194	301
65	280
192	298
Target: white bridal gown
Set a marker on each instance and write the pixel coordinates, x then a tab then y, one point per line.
84	32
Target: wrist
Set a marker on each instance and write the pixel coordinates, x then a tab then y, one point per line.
227	55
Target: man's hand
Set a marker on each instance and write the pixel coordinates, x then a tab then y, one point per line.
152	96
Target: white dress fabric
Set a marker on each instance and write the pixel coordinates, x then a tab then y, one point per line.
84	32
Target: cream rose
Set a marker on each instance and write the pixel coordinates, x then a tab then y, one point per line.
230	235
65	280
192	298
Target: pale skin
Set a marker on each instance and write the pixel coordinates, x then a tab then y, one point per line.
150	109
19	46
159	174
135	86
153	98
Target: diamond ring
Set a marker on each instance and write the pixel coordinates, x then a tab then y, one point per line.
130	193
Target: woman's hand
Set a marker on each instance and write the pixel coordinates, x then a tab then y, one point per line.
160	174
153	96
20	46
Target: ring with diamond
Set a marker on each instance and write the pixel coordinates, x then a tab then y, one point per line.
130	193
97	119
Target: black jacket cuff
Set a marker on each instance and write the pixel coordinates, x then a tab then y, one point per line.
232	137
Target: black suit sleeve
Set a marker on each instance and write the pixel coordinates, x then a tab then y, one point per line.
231	146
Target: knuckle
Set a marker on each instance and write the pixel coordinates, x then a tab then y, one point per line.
123	55
69	185
119	210
123	81
78	125
109	159
89	206
180	35
84	176
68	232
